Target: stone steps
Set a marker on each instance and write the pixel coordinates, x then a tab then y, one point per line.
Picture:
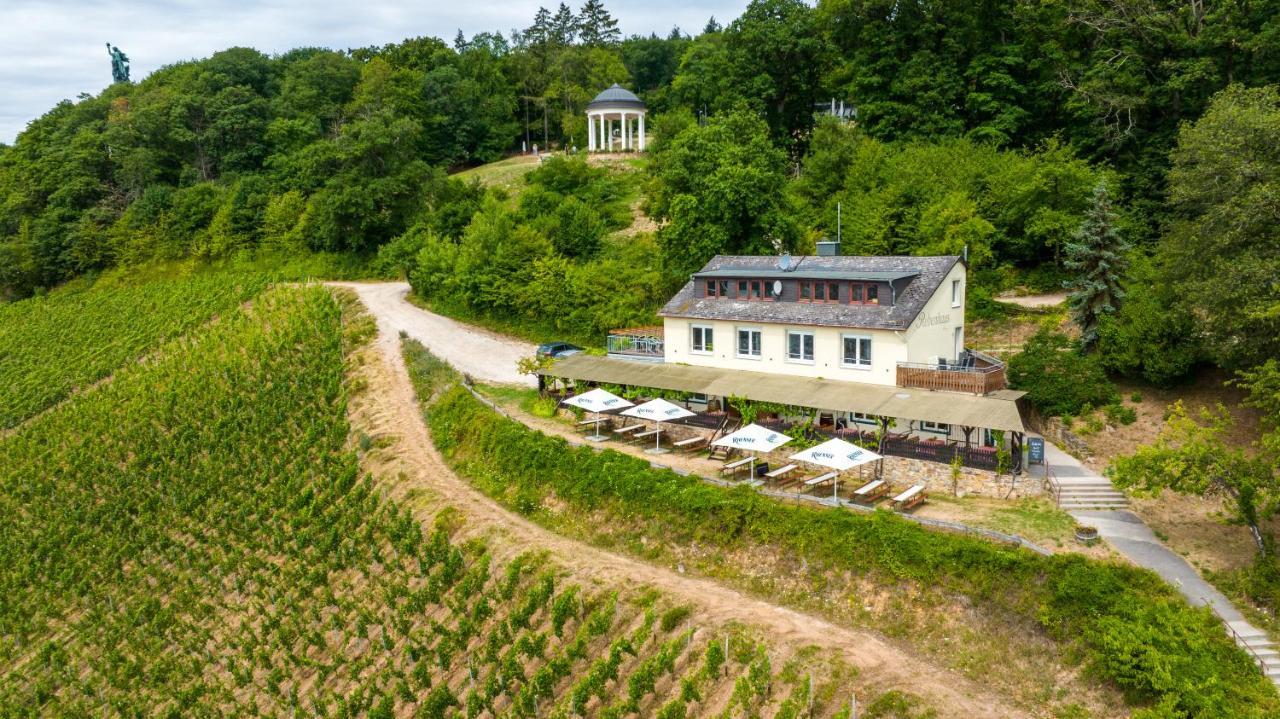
1260	648
1089	493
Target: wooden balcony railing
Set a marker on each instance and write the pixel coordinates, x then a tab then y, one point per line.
982	374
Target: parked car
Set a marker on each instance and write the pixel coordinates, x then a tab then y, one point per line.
558	349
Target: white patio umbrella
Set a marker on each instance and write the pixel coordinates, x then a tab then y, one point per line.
836	454
598	401
753	438
658	410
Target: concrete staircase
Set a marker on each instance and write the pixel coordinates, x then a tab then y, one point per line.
1089	493
1259	646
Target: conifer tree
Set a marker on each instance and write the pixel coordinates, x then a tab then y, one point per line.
596	27
1099	256
712	26
564	26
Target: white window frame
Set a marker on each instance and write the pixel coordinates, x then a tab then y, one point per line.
759	344
708	333
935	427
812	347
862	418
861	363
956	296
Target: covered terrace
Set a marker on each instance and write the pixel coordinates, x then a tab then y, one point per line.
998	410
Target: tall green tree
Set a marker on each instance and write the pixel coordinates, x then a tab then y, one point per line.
596	26
720	187
1222	247
1098	257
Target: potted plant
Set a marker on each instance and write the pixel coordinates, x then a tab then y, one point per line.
1087	536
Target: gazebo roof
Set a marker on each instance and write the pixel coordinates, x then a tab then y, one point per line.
616	97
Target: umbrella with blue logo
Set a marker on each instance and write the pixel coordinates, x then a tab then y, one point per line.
755	439
659	411
836	454
598	401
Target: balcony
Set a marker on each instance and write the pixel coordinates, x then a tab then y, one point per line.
973	373
637	343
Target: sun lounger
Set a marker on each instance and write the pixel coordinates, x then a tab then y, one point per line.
871	491
781	471
910	498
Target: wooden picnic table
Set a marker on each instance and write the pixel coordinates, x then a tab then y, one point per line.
588	421
782	471
628	429
650	433
911	497
736	465
820	479
690	442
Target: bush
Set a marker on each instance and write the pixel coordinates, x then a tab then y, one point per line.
1058	379
1120	414
1153	336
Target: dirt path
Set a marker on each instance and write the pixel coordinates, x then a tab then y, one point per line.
486	356
388	410
1051	299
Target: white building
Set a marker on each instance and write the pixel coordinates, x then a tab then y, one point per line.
873	345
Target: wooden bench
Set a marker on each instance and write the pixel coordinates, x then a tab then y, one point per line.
911	497
871	491
735	465
690	443
627	430
641	435
820	479
586	422
782	471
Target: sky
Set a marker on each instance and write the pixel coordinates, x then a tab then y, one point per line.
51	50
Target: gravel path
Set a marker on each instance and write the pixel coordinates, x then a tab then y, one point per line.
486	356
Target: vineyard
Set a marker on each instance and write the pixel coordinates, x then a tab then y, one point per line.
195	538
49	346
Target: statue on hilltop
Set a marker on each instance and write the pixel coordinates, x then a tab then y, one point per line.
119	64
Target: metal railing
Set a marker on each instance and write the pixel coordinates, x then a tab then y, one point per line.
640	345
1055	489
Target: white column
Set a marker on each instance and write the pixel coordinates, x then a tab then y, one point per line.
604	133
642	132
626	133
591	135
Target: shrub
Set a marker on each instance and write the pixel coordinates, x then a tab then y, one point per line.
1120	414
1057	378
673	617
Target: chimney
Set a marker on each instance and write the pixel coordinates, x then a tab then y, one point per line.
828	248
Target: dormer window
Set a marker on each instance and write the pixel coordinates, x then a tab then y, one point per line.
819	291
864	293
718	288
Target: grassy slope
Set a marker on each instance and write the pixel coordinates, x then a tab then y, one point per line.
1127	625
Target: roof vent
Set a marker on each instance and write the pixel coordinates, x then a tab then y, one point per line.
829	248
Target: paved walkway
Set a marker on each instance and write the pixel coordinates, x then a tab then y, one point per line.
1134	539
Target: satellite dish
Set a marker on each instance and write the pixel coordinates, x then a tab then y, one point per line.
784	262
777	288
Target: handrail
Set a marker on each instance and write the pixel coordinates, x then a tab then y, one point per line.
1055	489
952	367
1237	637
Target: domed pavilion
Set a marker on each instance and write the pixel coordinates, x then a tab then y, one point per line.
615	121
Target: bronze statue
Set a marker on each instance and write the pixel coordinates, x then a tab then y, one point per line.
119	64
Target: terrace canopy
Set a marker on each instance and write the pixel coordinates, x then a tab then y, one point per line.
598	401
659	411
997	410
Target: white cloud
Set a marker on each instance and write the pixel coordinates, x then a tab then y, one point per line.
51	50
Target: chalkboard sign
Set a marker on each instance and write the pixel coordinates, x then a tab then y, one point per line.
1036	449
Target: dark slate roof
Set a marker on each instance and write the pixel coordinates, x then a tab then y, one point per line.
925	274
616	96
